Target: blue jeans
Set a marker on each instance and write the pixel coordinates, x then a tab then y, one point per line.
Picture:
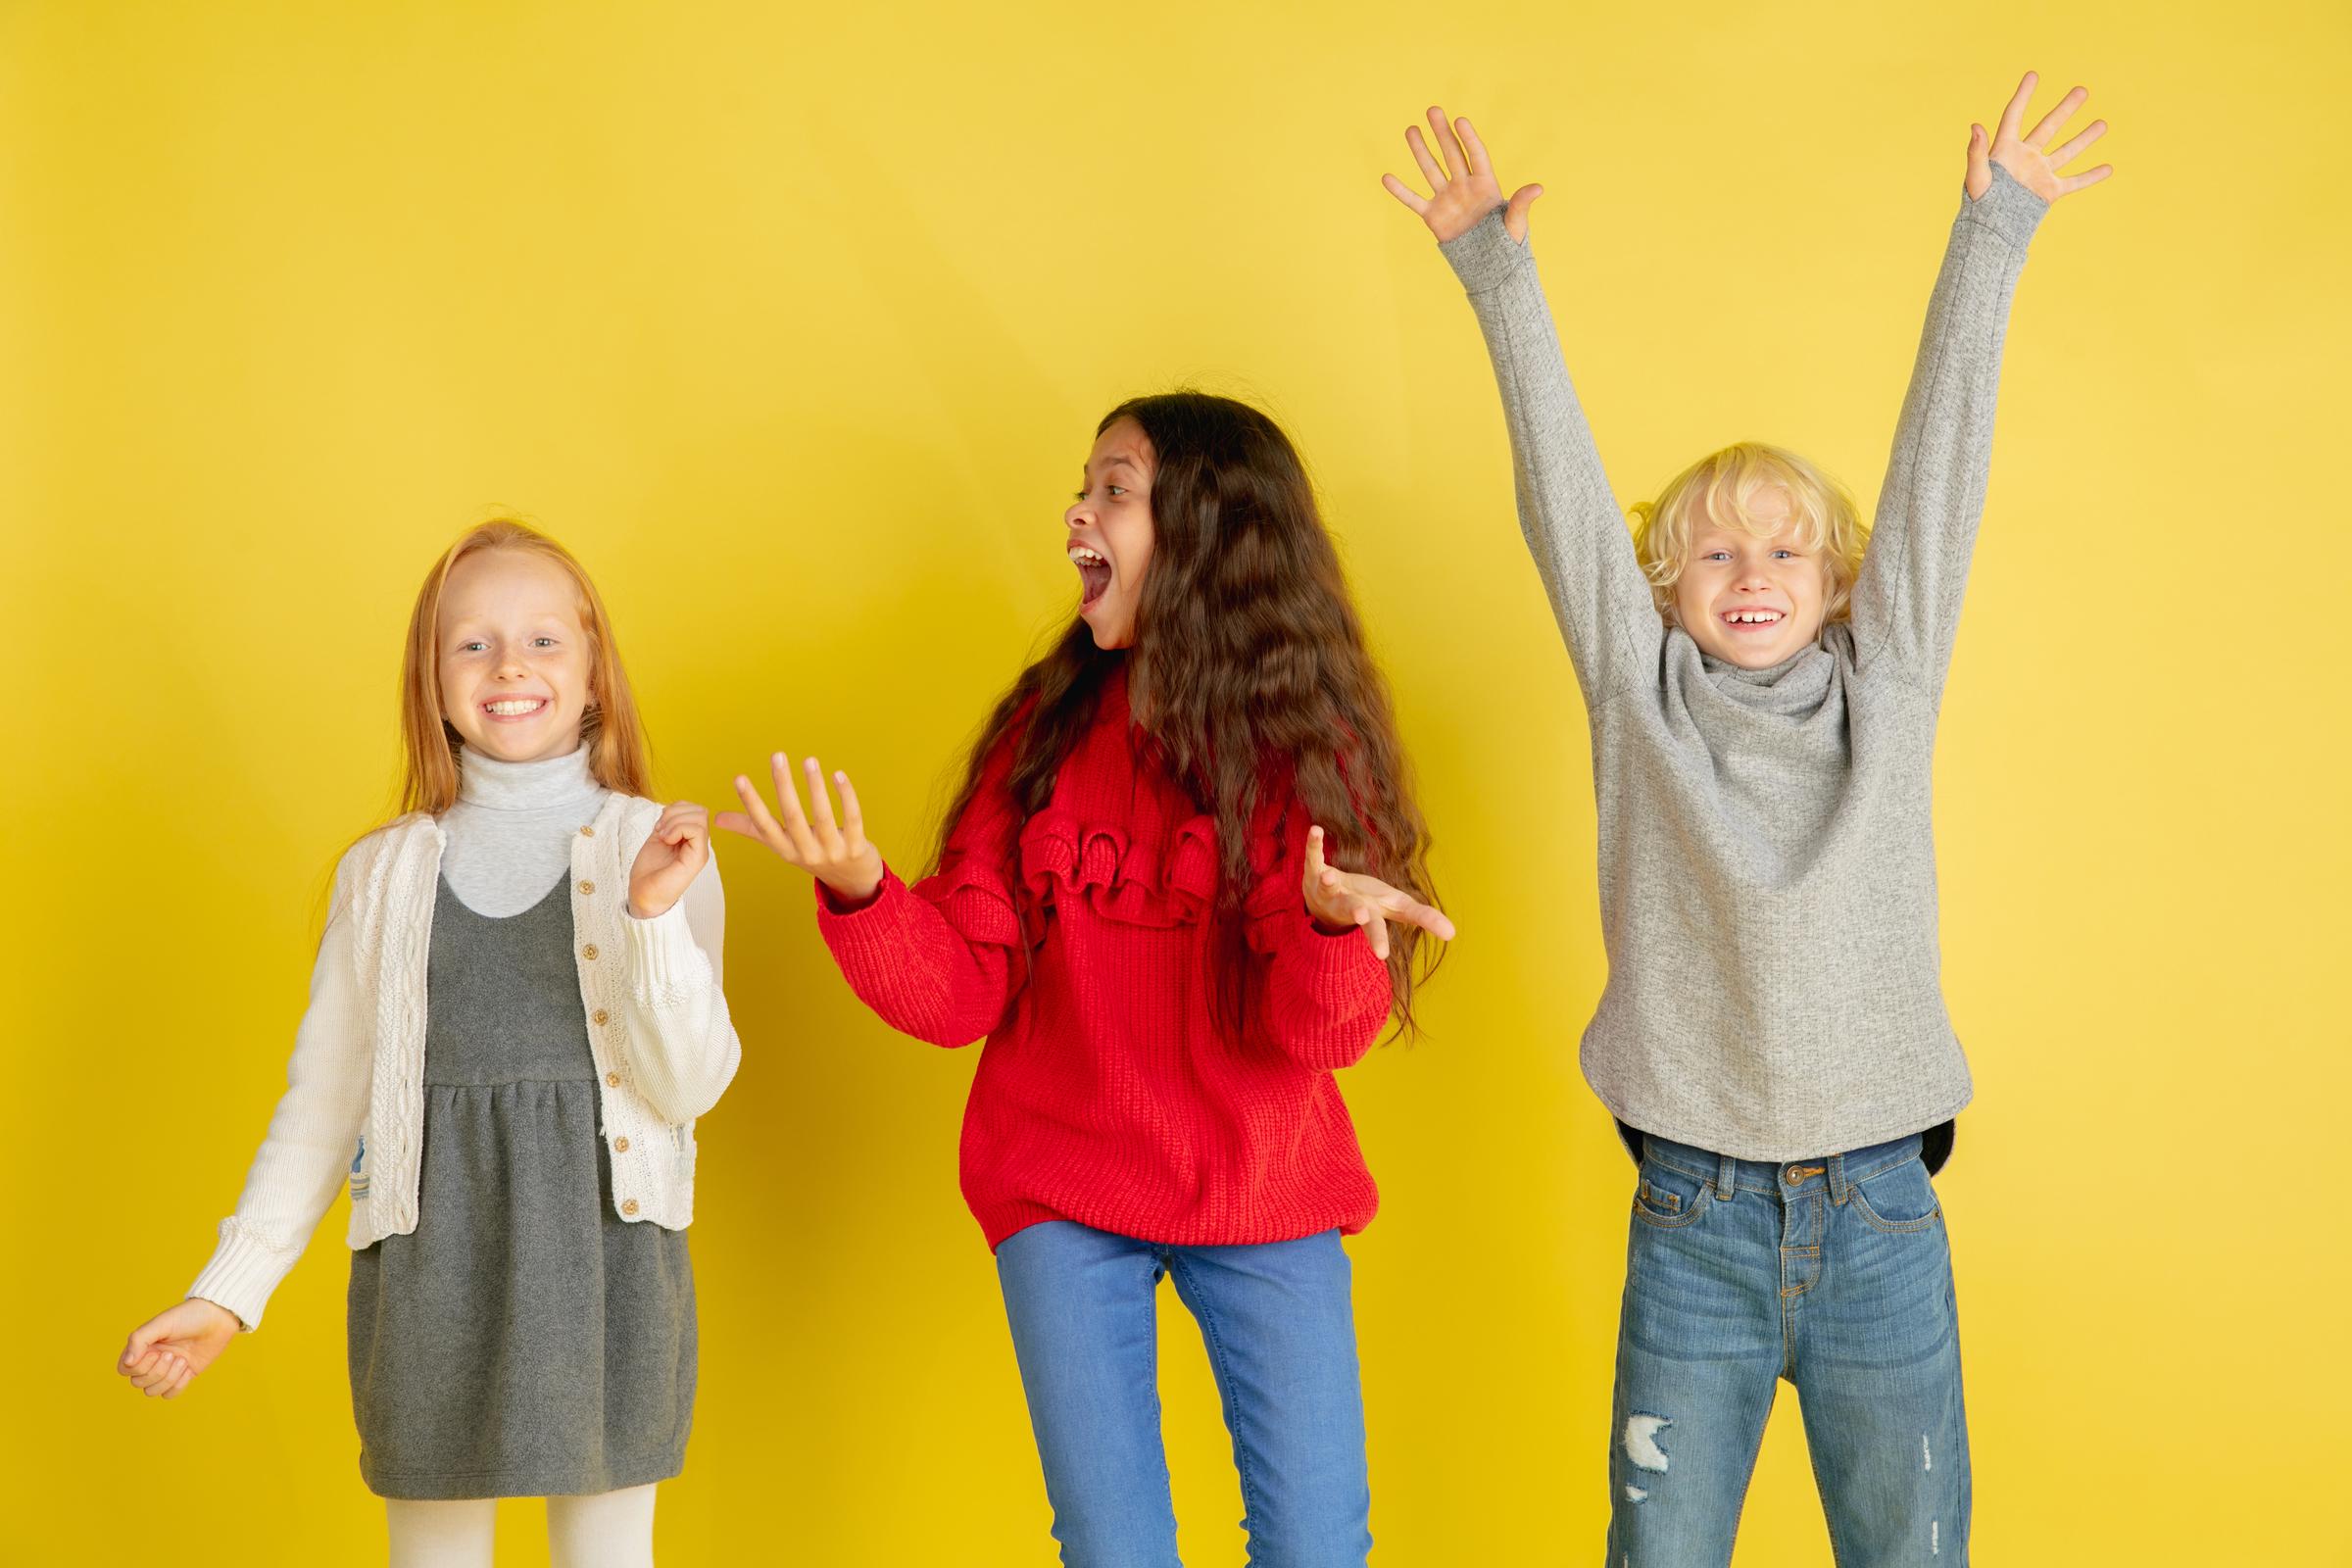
1831	1273
1281	1337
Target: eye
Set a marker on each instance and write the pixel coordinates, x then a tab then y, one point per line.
542	642
475	646
1716	555
1114	489
1784	555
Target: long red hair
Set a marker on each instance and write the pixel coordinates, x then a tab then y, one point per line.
618	757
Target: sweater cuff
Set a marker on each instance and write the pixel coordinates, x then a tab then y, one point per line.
1334	971
1485	256
243	1272
2008	208
664	956
835	919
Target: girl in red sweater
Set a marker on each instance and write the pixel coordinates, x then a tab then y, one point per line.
1139	902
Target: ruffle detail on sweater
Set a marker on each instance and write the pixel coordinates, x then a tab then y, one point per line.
971	895
1134	884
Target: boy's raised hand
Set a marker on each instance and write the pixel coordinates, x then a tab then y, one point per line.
1348	898
676	850
165	1352
835	851
1464	188
2027	154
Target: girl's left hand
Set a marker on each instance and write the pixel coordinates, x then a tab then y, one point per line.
674	853
1349	898
2027	154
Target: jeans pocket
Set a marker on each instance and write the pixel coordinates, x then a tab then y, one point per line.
1897	1201
1669	1198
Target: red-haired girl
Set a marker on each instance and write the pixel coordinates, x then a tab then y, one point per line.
515	1017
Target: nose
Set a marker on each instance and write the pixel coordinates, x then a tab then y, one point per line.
1077	514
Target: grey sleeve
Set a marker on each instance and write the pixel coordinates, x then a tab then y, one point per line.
1906	602
1573	525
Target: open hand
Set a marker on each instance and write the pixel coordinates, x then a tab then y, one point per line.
678	847
166	1351
2027	155
1464	190
1348	898
835	853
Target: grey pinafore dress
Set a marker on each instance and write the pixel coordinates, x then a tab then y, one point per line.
524	1341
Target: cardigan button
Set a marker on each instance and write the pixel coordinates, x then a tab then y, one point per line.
587	832
612	1080
601	1016
588	951
620	1145
629	1207
587	887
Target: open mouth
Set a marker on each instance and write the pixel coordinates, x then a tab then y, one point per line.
1094	574
515	707
1751	620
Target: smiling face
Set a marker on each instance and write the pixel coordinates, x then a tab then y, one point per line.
1752	599
1110	532
514	660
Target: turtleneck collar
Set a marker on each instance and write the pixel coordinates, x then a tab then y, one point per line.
497	785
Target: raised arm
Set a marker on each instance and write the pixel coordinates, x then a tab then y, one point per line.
1573	524
1906	602
681	1038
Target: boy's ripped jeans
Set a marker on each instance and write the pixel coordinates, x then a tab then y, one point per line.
1833	1273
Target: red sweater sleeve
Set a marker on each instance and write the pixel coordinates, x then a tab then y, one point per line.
1323	997
935	960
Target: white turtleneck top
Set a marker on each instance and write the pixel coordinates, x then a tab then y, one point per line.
509	834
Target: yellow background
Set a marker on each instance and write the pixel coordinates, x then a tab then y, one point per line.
795	321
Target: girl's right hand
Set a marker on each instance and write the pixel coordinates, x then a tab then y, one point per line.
836	854
1464	190
166	1351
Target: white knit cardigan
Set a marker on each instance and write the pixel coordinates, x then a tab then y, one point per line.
658	1027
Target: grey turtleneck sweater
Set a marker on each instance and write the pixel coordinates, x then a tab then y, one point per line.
1767	860
510	833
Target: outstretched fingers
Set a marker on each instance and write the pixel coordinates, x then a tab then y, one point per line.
756	820
2013	117
2055	121
2078	144
1449	146
1414	201
2071	184
853	816
1404	906
1430	171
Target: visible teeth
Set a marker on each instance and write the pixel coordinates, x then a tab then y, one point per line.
1752	618
1085	557
530	704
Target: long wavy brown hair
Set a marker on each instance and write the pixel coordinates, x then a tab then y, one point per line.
1249	666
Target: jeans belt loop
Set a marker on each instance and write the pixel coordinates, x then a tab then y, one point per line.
1838	1187
1727	1177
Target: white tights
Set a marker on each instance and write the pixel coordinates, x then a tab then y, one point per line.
610	1530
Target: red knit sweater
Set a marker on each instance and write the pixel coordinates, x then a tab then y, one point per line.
1112	1089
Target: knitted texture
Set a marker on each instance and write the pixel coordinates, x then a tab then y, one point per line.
658	1028
1153	1067
1766	852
